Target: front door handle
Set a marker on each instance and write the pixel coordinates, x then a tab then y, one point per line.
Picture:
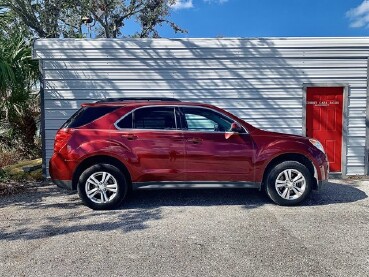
130	136
195	140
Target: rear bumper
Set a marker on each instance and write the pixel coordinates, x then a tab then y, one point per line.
64	184
61	171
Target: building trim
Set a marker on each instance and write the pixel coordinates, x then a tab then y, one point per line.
43	127
367	123
346	93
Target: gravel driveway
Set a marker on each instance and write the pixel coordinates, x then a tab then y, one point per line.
48	232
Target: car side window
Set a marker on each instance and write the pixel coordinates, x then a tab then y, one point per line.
126	122
86	115
200	119
154	118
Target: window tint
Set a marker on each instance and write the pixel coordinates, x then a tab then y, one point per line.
198	119
86	115
126	122
154	118
72	118
198	122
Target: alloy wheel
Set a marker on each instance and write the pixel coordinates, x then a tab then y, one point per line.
101	187
290	184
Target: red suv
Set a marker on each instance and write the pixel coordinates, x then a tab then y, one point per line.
112	146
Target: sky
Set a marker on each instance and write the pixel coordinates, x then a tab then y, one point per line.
270	18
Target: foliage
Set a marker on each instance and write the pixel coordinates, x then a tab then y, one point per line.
14	180
153	14
22	20
103	18
18	106
8	157
9	188
10	24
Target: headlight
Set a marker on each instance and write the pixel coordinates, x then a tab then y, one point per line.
317	144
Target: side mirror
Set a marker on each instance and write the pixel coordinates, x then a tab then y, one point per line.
236	128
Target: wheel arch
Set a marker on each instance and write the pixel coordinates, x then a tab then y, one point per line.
291	157
99	159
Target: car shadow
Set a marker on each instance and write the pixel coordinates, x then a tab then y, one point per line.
153	198
336	193
66	214
330	193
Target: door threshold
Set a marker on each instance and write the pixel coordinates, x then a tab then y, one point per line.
335	175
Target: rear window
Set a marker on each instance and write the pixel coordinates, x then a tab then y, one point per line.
126	122
155	118
149	118
86	115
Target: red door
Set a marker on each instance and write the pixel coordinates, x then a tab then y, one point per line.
324	111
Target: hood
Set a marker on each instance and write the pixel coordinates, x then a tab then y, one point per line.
259	132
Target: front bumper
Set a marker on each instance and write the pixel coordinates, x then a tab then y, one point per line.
321	184
323	169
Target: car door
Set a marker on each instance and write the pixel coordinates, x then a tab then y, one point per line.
213	153
154	143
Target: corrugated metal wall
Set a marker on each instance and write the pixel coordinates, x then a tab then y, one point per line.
260	80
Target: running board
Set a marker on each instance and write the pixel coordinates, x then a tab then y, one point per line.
194	185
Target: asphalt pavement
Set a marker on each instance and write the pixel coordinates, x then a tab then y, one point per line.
214	232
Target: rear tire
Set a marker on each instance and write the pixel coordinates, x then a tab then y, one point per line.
289	183
102	187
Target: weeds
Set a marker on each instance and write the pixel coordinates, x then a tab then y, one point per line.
8	188
8	157
13	151
14	180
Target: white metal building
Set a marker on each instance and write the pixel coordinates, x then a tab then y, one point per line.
269	82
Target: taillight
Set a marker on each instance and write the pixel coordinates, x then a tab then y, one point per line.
61	139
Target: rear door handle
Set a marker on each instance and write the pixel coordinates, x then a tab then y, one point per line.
195	140
130	136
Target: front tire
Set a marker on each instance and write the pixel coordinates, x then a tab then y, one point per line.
102	187
289	183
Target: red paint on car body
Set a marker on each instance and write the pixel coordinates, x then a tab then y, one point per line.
177	155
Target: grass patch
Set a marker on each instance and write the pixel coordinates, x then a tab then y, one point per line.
13	179
16	172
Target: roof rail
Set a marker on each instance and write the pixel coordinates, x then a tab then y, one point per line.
138	99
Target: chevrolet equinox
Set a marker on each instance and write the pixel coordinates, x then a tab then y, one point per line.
112	146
